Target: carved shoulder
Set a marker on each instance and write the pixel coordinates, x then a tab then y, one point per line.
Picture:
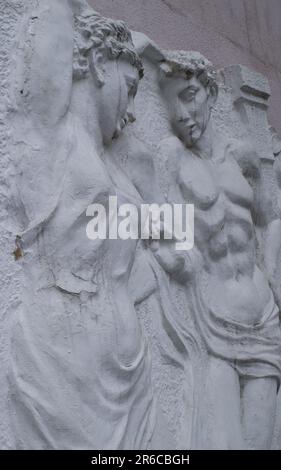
244	153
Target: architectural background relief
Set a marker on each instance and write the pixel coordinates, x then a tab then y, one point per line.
120	331
226	31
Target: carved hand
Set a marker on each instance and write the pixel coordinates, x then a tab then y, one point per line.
177	263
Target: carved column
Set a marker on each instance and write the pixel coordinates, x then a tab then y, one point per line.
250	92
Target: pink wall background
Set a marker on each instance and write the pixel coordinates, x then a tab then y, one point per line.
225	31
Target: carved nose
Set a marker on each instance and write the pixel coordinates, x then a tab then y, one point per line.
131	116
185	116
186	119
131	112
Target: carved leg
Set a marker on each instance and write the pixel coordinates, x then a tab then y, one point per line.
259	397
222	426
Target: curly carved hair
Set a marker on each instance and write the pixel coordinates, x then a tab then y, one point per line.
190	63
111	37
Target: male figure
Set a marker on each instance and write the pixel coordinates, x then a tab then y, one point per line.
229	296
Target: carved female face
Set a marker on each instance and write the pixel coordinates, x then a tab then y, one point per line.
116	103
190	105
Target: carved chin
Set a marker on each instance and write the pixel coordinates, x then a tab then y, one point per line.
119	128
117	132
190	139
193	137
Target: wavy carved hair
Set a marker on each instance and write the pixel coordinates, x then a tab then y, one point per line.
190	63
112	38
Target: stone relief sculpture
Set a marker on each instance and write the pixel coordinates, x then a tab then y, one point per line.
80	366
131	344
162	313
228	295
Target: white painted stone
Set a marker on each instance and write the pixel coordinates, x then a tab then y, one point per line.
129	344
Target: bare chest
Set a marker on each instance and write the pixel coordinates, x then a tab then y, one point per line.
204	182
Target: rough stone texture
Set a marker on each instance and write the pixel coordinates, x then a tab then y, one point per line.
58	295
226	31
10	13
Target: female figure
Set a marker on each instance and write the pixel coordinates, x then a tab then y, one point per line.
80	373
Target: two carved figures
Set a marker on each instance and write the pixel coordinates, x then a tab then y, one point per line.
131	343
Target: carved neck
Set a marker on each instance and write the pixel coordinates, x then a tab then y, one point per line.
85	107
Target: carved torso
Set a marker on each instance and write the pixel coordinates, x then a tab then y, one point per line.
224	234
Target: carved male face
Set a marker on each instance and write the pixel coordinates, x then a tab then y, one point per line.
117	97
190	104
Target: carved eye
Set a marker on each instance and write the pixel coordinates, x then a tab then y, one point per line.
188	94
132	89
